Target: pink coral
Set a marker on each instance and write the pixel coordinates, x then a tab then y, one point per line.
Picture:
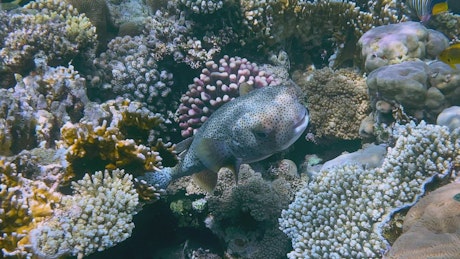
218	84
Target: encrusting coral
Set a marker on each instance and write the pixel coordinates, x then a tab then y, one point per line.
431	227
216	85
337	102
342	211
97	216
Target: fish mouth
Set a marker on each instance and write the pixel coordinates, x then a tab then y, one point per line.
302	123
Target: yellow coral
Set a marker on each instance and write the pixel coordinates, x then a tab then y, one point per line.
23	204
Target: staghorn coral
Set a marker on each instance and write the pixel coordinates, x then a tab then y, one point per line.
116	134
337	101
24	203
431	227
97	216
342	211
49	29
32	112
218	84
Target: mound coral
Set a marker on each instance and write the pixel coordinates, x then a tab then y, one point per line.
396	43
48	29
337	102
431	227
218	84
342	211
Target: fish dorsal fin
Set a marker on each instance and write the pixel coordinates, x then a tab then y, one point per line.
213	153
206	179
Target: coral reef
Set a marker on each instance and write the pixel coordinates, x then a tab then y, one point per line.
32	113
24	203
396	43
430	227
97	216
47	29
337	102
116	134
342	211
218	84
98	13
130	70
422	90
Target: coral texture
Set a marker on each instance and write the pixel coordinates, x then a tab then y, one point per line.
98	216
449	117
32	113
117	134
342	211
49	29
396	43
337	102
431	227
218	84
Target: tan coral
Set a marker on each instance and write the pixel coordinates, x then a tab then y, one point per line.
23	204
337	101
432	227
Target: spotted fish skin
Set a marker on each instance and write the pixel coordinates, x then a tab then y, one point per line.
248	129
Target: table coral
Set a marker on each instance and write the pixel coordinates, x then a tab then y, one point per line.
337	101
32	112
431	227
49	29
341	212
395	43
97	216
216	85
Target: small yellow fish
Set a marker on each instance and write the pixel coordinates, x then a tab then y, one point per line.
426	8
451	55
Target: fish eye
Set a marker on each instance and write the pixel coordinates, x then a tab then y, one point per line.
261	134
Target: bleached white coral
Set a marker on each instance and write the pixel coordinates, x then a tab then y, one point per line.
340	213
98	216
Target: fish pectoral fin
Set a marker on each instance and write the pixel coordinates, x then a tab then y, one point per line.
235	168
206	179
213	154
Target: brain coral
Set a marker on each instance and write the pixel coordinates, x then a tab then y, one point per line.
218	84
341	212
97	216
48	29
431	227
337	101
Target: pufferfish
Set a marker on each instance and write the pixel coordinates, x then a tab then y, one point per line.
248	129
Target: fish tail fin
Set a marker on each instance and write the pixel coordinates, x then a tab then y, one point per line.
160	179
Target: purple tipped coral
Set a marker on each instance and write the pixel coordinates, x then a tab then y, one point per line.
218	84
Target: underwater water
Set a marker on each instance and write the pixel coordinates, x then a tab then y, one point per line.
229	129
